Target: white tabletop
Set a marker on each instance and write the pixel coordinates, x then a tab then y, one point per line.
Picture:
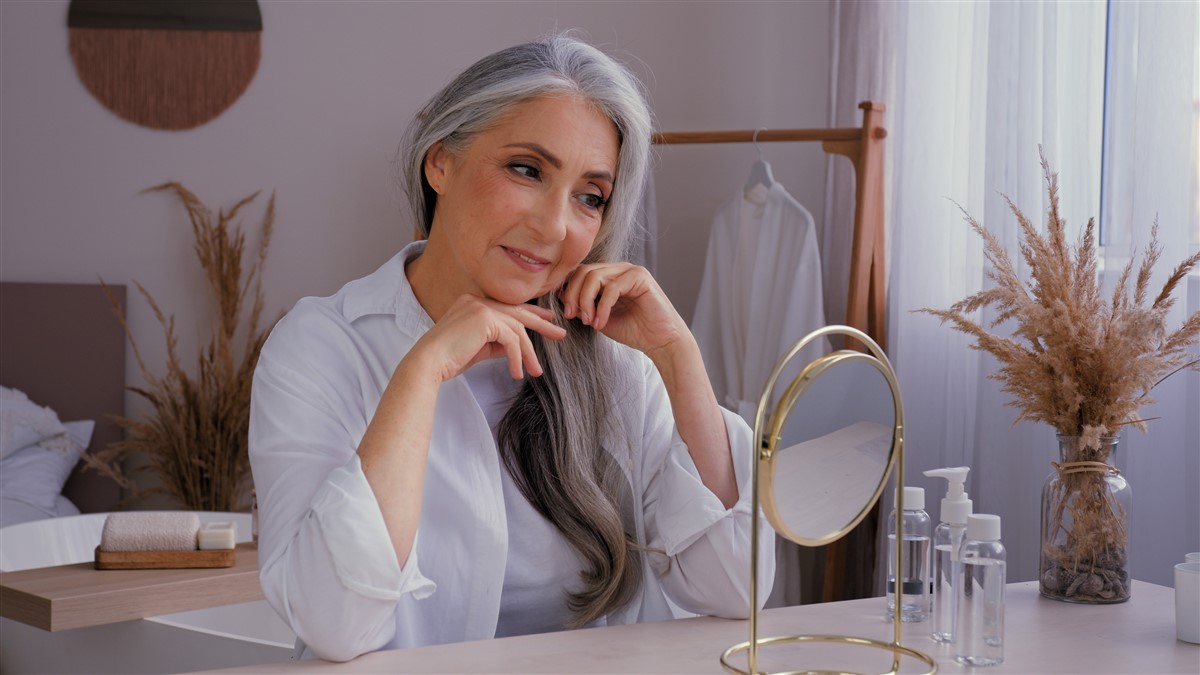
1041	636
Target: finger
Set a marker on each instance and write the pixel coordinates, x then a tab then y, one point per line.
574	301
542	312
614	289
531	360
540	320
568	292
524	347
590	284
511	340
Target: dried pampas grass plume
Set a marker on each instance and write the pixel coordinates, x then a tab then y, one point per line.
195	440
1078	361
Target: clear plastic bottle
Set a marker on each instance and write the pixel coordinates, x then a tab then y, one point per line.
914	564
979	588
947	539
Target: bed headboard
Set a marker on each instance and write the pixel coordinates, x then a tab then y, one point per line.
63	346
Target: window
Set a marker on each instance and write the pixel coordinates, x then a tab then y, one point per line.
1151	155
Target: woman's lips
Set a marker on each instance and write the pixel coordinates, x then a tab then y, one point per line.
526	260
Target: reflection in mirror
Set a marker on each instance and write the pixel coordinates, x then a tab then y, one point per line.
839	435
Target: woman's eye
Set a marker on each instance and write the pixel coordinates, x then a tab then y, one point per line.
593	201
526	170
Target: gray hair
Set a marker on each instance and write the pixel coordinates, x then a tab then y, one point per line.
559	64
551	434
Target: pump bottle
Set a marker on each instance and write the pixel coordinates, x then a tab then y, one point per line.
913	576
947	538
979	580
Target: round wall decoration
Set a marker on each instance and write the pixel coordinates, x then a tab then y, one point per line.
165	65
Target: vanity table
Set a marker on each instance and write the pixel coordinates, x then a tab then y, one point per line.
1041	636
79	596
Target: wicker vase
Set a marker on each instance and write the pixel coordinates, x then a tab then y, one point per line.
1085	526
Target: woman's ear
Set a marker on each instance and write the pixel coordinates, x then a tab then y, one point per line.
436	162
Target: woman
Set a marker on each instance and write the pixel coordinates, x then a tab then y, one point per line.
502	430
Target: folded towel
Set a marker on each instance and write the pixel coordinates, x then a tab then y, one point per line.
150	531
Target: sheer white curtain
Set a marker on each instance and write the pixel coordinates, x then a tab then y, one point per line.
1151	171
972	89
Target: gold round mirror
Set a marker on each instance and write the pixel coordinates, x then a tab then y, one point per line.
833	436
828	448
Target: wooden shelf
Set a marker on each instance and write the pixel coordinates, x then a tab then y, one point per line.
77	596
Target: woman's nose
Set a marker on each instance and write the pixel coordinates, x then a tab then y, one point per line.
551	217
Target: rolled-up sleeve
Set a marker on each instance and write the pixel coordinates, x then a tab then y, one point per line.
709	545
326	561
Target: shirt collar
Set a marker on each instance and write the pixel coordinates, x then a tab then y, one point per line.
387	291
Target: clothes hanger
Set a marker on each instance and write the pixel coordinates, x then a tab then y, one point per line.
760	171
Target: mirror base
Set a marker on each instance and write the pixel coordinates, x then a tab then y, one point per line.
896	649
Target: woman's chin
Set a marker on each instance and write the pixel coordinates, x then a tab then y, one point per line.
517	297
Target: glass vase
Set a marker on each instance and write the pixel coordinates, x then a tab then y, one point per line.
1085	526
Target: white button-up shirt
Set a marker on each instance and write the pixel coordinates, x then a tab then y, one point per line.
326	560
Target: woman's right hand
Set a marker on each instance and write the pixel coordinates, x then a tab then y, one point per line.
395	447
475	329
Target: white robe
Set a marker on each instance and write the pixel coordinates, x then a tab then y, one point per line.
761	292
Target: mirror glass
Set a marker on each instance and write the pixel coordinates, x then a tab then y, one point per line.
837	428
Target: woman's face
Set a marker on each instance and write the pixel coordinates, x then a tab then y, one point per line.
519	209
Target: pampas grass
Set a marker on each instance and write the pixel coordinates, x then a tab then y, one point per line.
195	440
1078	361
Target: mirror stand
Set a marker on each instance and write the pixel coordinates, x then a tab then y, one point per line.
765	464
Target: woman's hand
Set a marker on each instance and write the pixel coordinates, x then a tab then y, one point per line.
625	303
475	328
395	447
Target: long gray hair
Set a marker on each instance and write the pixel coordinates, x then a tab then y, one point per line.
550	437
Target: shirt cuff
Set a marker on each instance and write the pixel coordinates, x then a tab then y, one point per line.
689	508
358	541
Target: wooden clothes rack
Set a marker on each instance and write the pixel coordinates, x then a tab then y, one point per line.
864	147
848	563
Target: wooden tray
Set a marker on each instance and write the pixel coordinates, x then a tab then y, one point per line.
145	560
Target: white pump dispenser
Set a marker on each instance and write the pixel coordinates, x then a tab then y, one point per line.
955	505
947	540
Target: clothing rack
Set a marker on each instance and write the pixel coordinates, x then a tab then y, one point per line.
864	307
864	147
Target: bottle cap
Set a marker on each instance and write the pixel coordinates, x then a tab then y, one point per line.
914	498
983	527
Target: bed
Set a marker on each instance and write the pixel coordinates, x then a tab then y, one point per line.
62	346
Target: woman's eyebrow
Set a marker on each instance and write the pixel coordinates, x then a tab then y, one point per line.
556	162
546	154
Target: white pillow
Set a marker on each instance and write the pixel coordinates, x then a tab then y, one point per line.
36	473
24	423
15	511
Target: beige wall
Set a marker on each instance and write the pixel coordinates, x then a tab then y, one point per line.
320	122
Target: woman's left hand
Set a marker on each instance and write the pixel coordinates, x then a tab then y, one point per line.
625	303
